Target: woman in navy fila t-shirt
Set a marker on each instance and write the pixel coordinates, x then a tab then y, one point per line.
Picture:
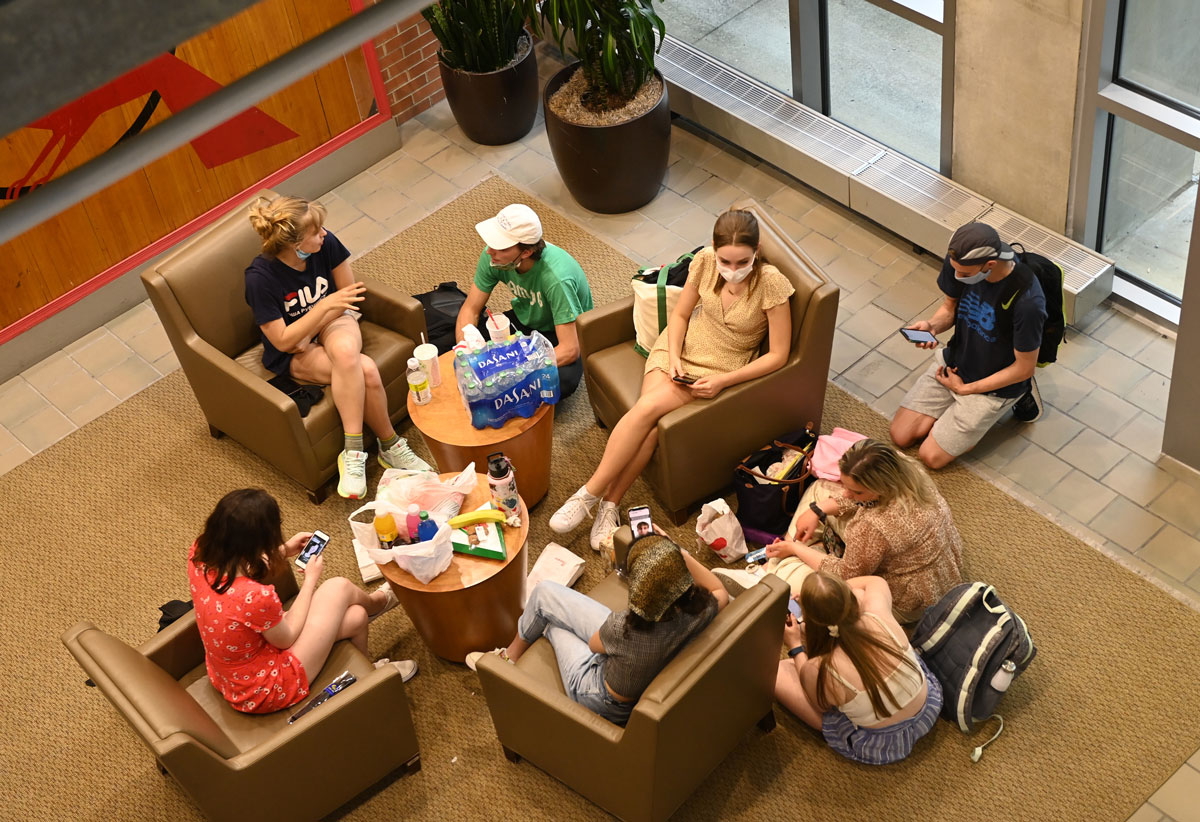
303	296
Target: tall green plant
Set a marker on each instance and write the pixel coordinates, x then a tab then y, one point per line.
477	35
615	40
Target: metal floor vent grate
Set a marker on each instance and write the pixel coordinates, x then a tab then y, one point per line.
786	120
907	181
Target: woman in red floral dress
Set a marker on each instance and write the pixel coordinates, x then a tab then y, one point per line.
259	657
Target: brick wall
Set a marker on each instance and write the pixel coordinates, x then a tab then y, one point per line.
408	62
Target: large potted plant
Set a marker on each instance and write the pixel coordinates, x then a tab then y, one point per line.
488	67
607	116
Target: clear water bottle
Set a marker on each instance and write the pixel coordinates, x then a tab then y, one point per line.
548	377
418	382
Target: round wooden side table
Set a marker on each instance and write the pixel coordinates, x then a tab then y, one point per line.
474	604
445	425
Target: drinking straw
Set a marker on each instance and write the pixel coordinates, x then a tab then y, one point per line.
491	319
422	338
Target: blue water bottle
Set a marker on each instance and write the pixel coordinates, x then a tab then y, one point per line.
549	381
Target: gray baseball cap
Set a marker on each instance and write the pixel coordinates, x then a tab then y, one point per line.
978	243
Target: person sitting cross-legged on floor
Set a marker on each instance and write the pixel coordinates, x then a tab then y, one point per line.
607	659
852	674
894	524
303	295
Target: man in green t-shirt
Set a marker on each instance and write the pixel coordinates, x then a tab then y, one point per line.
549	288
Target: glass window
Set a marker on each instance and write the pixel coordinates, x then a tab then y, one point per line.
1148	205
750	35
1159	49
885	78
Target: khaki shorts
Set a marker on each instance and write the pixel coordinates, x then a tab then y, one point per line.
962	420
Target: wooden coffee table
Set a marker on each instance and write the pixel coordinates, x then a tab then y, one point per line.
474	604
446	426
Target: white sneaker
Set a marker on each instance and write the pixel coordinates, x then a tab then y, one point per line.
391	603
401	456
567	518
738	576
473	658
352	474
607	521
406	667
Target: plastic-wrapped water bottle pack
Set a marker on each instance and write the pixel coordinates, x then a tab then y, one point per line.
499	381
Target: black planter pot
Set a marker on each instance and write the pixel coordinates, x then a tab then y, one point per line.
495	107
610	169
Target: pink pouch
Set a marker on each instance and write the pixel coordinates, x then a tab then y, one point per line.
829	450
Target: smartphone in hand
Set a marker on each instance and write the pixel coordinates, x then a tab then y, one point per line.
639	521
914	335
315	545
794	608
685	379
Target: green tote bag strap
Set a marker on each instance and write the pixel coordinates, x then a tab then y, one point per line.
662	297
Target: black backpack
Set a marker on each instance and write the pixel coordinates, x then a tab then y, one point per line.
966	638
441	313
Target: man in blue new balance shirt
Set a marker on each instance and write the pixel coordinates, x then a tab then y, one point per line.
989	362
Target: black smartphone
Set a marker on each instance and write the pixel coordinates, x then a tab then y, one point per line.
686	379
315	545
639	521
914	335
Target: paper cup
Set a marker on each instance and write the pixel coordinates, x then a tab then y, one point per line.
497	328
427	356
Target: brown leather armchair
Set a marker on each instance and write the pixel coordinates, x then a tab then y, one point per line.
199	294
693	714
700	444
229	762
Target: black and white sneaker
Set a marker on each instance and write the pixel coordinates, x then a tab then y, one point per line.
1029	408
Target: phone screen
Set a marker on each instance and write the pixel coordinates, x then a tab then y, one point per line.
315	545
916	336
794	607
639	521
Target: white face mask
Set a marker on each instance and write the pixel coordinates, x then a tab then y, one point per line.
735	275
974	278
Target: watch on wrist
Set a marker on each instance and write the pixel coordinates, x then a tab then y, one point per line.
816	509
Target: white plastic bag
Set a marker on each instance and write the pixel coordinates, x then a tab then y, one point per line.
441	498
718	529
424	560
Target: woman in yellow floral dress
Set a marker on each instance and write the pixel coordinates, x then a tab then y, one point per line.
732	300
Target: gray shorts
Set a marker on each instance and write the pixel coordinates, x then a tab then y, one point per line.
962	420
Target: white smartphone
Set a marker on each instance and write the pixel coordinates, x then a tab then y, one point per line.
315	545
639	521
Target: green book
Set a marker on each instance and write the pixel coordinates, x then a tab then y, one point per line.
486	539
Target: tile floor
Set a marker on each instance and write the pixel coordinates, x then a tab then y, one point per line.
1090	464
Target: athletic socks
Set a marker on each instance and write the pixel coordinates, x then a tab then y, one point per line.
354	442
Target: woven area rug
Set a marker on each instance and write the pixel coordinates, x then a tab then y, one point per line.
97	528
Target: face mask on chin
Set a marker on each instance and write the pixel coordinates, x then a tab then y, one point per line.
512	265
735	275
303	255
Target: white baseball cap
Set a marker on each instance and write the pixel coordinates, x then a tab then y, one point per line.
514	224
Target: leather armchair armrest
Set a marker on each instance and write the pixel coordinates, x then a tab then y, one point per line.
514	698
610	324
390	308
255	398
177	648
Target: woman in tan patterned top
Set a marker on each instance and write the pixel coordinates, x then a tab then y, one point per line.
895	525
732	299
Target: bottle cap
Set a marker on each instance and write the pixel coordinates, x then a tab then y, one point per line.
413	508
424	515
413	362
497	465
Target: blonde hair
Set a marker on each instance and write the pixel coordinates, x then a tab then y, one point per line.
285	221
883	470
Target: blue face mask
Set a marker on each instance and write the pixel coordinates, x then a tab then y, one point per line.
303	255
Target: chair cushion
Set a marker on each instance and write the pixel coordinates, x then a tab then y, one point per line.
390	351
247	731
159	700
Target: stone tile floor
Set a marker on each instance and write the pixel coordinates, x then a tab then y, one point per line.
1091	464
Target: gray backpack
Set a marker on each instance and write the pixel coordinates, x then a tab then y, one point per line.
975	645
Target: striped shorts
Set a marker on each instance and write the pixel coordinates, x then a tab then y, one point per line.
882	746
